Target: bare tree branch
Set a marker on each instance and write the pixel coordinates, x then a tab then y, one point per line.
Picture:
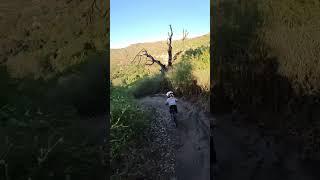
137	55
175	57
150	60
184	34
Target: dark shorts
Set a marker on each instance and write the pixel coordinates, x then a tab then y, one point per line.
173	108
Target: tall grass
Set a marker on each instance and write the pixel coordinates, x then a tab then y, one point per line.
128	127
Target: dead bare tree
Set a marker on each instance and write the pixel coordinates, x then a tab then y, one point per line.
169	41
150	60
184	34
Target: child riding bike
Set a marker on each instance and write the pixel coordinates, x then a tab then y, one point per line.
172	102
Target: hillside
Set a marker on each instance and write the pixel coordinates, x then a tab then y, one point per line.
157	49
121	65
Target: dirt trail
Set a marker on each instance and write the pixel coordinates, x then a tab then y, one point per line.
191	138
241	152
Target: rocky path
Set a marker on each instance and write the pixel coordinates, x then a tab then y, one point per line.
185	149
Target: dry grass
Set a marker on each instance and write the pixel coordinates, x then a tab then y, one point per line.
292	30
42	30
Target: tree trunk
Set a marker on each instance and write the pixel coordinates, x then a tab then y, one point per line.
170	47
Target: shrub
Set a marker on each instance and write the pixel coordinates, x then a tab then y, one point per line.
128	122
191	76
182	76
149	85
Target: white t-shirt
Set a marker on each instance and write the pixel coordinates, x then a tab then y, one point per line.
171	101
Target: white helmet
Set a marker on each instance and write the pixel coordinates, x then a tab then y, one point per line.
169	93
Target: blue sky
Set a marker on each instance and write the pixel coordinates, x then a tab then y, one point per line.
133	21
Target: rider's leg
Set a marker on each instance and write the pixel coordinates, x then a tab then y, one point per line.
174	108
170	109
172	114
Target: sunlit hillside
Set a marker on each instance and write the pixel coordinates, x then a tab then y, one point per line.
157	49
122	65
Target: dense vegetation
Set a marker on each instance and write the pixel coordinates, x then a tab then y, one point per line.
266	66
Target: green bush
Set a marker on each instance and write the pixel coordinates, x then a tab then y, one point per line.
128	121
149	85
182	76
191	76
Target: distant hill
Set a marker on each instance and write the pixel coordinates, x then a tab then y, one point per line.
157	49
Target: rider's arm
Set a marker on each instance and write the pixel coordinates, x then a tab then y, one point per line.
167	102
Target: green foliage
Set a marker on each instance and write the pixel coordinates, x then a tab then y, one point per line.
200	62
191	76
182	76
127	75
128	122
148	86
